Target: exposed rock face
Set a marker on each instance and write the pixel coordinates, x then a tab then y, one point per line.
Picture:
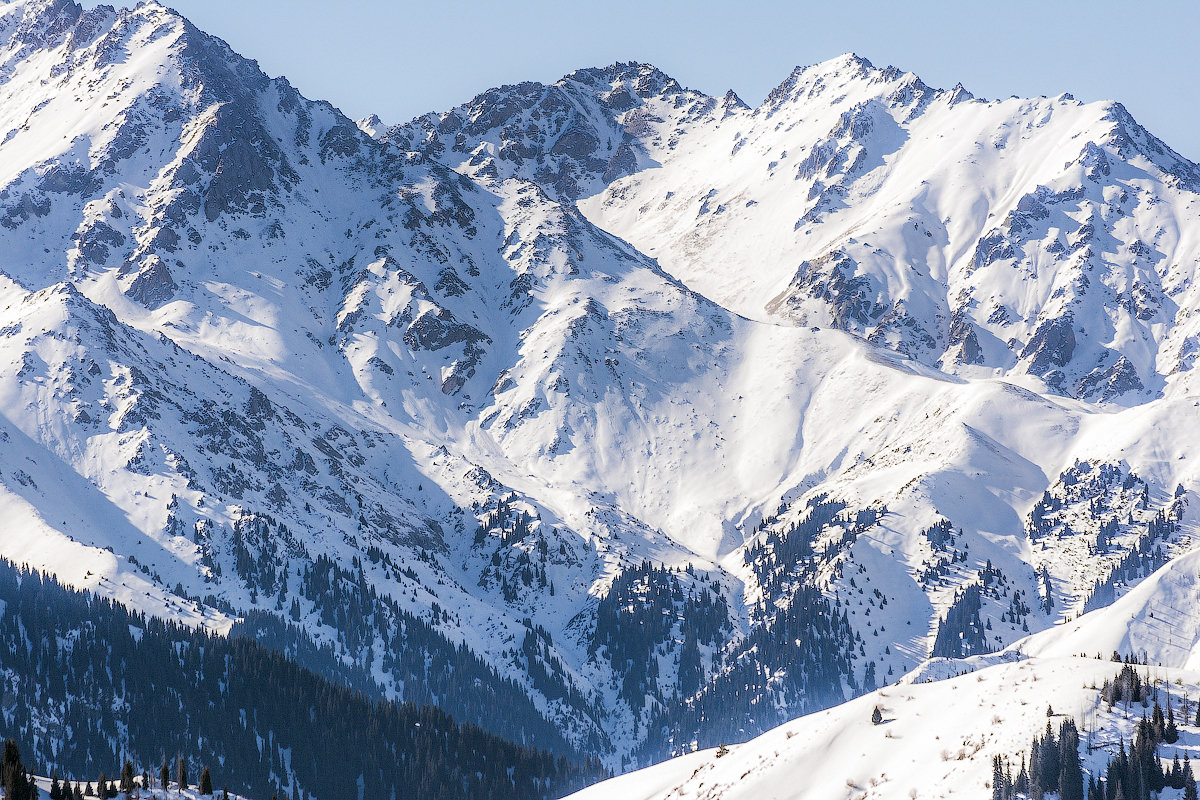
834	280
1051	347
1111	383
962	333
152	284
547	133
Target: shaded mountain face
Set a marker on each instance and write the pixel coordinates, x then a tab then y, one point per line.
661	417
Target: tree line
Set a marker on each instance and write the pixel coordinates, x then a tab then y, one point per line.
92	680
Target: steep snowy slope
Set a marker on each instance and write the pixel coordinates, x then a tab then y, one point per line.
407	391
1156	621
1042	236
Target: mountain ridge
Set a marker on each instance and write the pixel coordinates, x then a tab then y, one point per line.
515	369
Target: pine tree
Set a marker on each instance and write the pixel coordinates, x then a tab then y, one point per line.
1158	723
1070	775
102	786
181	776
13	778
55	788
164	775
1000	788
876	716
127	777
206	787
1171	733
1189	780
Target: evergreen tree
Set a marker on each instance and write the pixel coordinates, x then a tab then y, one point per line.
88	791
102	786
206	787
13	778
164	775
1000	788
876	716
127	777
55	788
181	776
228	694
1051	761
1070	775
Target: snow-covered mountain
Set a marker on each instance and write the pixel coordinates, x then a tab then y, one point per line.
679	417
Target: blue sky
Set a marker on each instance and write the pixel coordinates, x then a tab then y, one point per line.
400	59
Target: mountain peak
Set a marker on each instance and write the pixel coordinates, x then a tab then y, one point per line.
645	80
837	75
372	126
36	23
846	65
44	8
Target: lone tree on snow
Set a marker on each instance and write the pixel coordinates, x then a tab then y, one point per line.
876	716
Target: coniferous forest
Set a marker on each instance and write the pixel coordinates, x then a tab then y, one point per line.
88	684
1134	772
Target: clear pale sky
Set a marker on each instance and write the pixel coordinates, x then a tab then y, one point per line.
400	59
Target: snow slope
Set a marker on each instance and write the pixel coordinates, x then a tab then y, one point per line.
1156	620
937	738
945	721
